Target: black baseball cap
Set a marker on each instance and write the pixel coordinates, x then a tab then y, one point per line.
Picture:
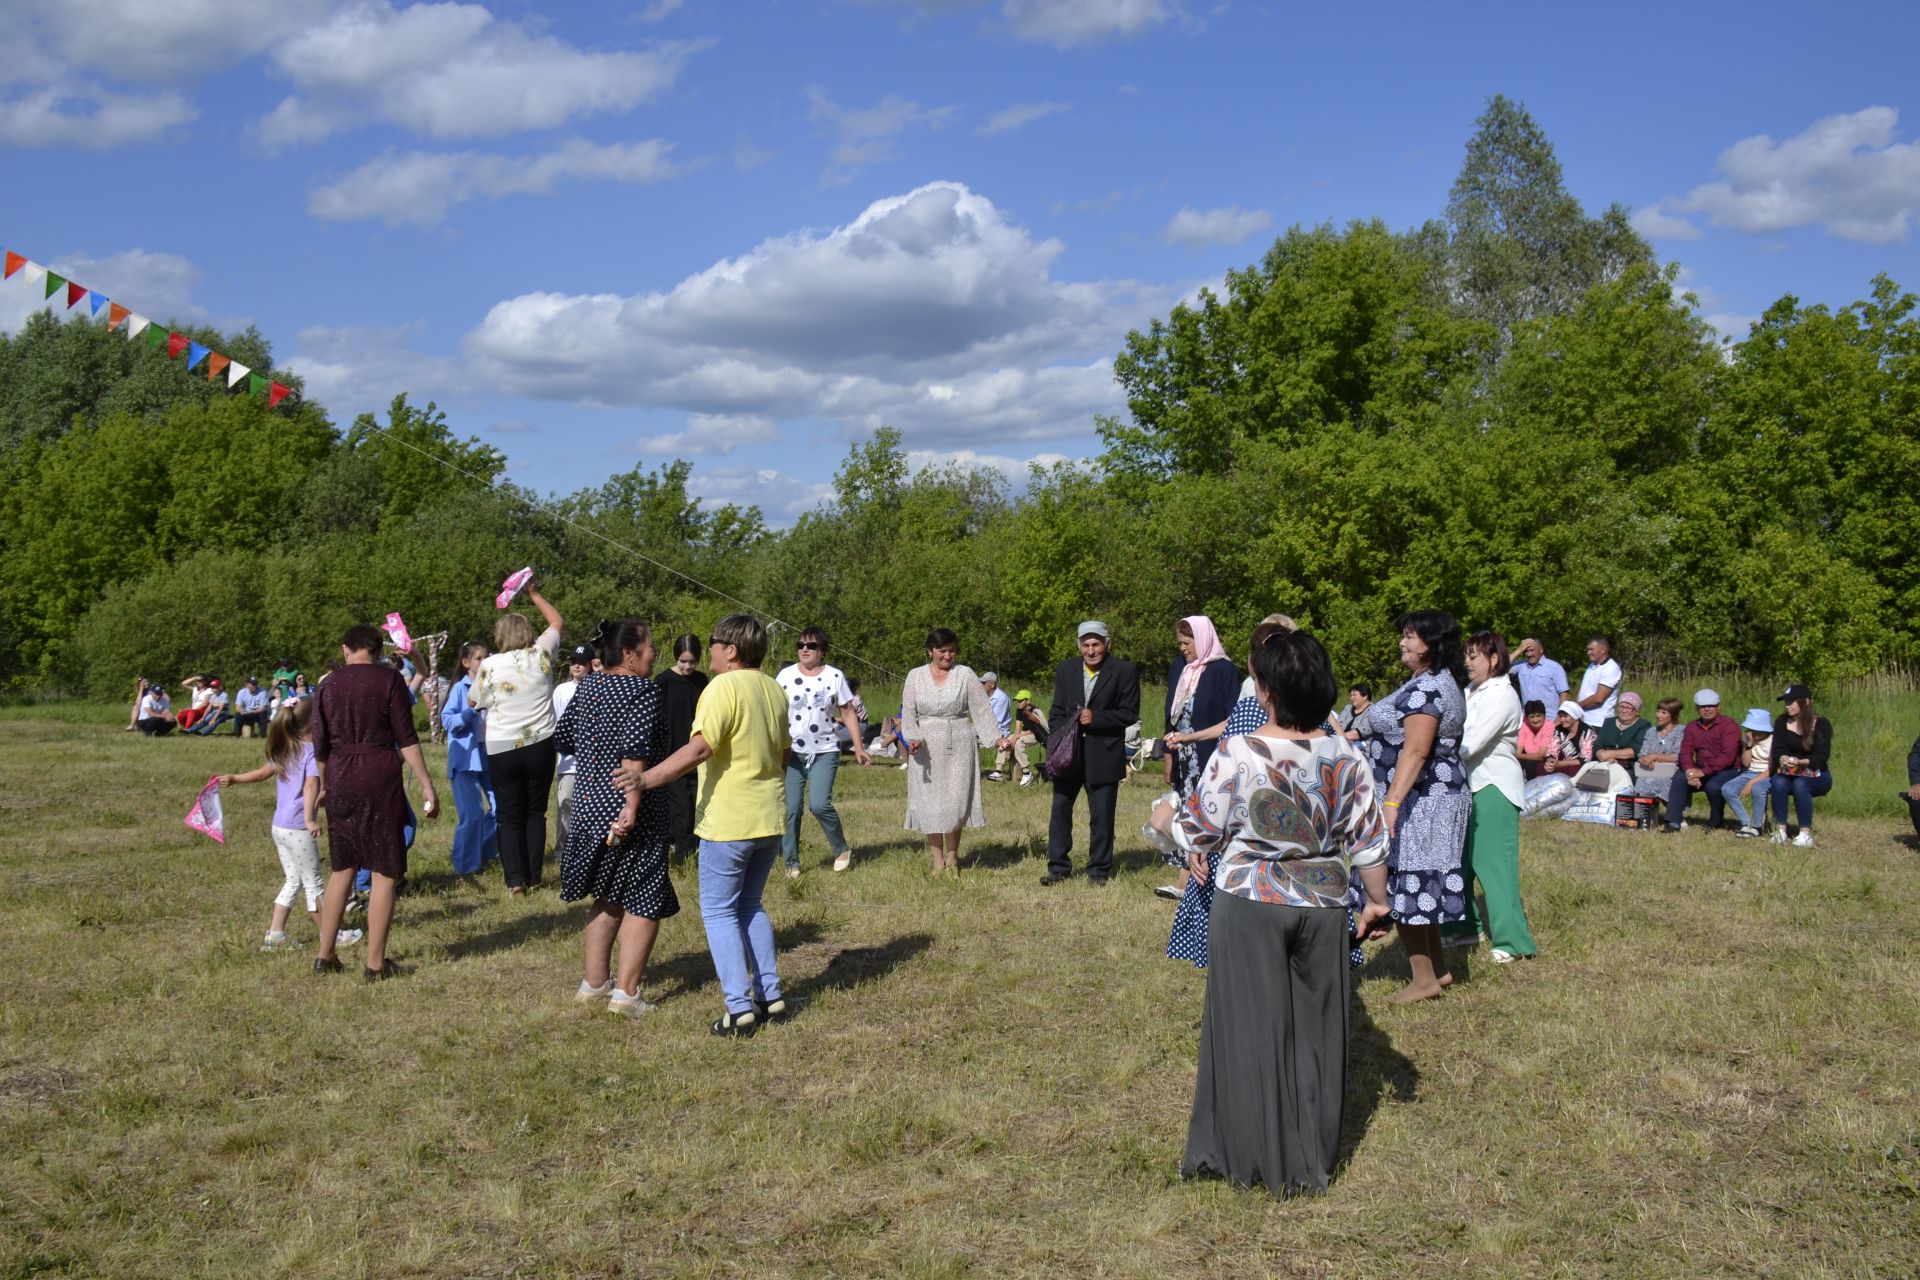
582	654
1796	693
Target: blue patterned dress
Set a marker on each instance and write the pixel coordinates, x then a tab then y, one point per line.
1424	881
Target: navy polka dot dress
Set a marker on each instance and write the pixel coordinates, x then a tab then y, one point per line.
613	718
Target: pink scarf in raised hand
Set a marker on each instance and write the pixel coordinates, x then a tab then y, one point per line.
1206	648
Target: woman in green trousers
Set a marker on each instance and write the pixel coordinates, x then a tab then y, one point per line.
1487	746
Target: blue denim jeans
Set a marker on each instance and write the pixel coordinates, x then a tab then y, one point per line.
810	777
1803	789
733	874
1731	790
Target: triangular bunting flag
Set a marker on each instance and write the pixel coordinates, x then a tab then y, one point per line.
97	301
53	284
14	263
136	324
117	315
215	363
235	372
33	272
158	337
277	394
256	385
196	353
178	342
75	292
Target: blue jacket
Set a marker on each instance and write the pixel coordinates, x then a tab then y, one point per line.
466	745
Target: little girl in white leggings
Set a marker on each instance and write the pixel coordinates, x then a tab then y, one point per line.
296	829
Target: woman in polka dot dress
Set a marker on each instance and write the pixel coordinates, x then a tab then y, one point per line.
617	715
817	696
1413	739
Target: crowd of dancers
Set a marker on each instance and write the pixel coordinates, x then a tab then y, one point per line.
1300	836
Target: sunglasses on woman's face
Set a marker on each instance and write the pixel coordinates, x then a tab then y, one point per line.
807	644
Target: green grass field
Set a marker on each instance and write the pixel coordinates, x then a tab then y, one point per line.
1708	1072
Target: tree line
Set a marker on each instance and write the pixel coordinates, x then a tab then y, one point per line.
1510	412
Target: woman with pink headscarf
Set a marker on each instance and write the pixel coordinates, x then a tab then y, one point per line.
1202	685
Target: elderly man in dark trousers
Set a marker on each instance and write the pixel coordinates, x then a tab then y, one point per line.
1102	693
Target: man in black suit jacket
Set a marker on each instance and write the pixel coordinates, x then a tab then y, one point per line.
1103	693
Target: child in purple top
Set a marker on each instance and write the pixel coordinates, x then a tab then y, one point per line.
296	827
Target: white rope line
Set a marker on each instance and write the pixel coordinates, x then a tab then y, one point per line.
773	623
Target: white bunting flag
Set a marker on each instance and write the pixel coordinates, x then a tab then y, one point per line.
135	324
236	374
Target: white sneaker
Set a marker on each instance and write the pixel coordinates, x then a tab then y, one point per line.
1779	836
1747	833
1502	957
628	1006
592	995
793	873
844	861
347	937
1027	781
276	941
903	765
1804	840
996	776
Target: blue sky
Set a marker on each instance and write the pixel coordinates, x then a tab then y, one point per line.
603	235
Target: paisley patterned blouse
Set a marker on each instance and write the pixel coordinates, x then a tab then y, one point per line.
1285	819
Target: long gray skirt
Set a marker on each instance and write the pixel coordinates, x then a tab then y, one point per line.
1273	1047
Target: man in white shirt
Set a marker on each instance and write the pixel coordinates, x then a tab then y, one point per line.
817	695
1599	683
579	666
1003	712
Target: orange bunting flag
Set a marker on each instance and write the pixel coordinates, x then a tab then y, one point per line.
14	263
75	292
276	393
215	363
176	343
116	315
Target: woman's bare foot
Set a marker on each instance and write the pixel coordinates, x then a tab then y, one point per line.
1445	980
1414	991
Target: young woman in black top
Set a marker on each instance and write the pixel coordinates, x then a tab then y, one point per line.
1801	744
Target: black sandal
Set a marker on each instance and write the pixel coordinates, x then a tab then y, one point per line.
736	1024
388	970
324	965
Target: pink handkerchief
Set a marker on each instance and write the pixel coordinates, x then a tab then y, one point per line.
397	632
205	816
511	587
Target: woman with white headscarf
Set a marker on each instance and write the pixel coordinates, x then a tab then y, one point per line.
1202	686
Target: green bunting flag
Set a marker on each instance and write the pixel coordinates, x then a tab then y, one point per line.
53	283
157	336
256	385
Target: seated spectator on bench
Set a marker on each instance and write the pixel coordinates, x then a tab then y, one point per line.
1660	750
1709	756
1621	735
156	712
197	687
1756	745
252	707
1552	791
1536	738
212	710
1801	744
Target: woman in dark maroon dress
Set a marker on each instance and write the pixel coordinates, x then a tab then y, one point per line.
362	730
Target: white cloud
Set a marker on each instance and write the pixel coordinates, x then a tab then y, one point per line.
782	498
658	11
1064	23
930	311
1844	173
453	71
1196	228
1015	471
418	187
1020	115
141	40
65	115
747	157
1655	223
864	135
711	435
357	369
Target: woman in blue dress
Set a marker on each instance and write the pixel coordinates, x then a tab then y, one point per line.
1413	740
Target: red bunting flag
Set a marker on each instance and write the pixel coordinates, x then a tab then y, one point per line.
215	363
116	315
176	343
14	263
276	393
75	292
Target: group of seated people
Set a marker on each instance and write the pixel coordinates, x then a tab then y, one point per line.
1580	764
209	707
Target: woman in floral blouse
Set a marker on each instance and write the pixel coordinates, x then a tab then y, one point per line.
515	689
1284	813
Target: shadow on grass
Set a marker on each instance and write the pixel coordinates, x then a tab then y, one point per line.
533	926
1391	962
694	969
854	965
999	855
1375	1071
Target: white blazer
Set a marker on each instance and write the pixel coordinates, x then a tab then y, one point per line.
1489	742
